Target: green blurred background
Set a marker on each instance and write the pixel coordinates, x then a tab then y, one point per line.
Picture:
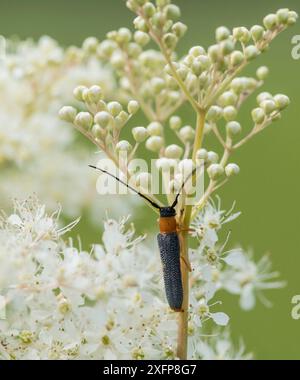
267	190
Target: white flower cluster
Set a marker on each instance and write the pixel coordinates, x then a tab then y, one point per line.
35	78
43	71
233	270
60	302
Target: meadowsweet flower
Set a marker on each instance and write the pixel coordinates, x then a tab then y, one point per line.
249	279
220	347
64	303
209	222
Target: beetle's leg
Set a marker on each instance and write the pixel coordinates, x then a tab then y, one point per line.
187	263
186	230
185	260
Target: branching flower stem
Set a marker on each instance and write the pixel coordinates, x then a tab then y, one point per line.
184	316
207	79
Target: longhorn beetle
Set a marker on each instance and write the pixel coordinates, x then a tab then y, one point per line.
168	243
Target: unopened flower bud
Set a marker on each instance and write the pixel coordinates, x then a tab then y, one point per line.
154	143
258	115
215	171
196	51
155	129
227	47
179	29
173	151
175	123
237	85
124	35
172	12
197	68
231	170
103	119
214	113
141	38
93	94
262	72
251	52
170	40
165	164
202	154
222	33
242	34
233	128
121	119
149	9
186	166
281	101
214	52
293	17
236	58
264	96
123	146
228	98
140	134
84	120
97	132
78	92
114	108
117	60
90	44
158	19
140	24
68	114
106	48
270	21
133	107
229	113
134	50
268	106
257	32
212	157
187	133
283	15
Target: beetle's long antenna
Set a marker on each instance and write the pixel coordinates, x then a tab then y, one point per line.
182	186
128	186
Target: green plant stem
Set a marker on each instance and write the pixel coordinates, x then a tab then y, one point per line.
182	339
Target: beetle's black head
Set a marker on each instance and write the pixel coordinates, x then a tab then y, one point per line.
166	212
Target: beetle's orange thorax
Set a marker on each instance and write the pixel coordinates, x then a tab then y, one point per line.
167	224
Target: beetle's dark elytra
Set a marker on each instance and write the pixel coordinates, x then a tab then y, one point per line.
170	256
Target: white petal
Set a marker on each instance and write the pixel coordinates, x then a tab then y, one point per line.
15	220
236	259
232	217
247	301
210	290
220	319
